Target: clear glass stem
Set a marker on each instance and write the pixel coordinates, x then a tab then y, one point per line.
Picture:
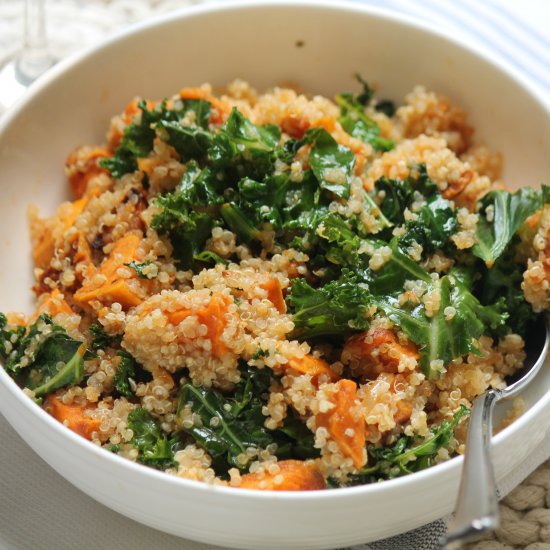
35	25
35	57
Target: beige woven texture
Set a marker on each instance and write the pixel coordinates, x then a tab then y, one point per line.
525	517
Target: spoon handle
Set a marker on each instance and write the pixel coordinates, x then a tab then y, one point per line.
477	504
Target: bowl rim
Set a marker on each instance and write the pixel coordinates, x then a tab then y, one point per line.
194	10
206	9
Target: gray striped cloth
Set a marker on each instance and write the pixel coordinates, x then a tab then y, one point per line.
516	32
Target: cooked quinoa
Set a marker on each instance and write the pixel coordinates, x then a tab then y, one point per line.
281	291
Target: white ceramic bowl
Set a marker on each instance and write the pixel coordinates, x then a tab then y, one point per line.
257	42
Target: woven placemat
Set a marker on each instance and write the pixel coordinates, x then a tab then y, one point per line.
525	517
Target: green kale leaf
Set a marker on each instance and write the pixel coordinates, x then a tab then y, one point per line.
338	308
264	201
366	94
200	108
128	368
395	195
191	142
503	282
209	257
138	268
137	139
295	440
452	331
44	352
436	217
435	223
331	163
356	123
223	434
243	148
239	223
188	224
102	340
59	362
254	139
343	241
9	345
48	356
410	458
137	142
154	446
398	268
508	212
200	187
407	454
385	106
230	425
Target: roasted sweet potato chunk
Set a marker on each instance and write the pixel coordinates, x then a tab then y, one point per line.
293	475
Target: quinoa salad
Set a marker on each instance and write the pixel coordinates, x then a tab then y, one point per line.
281	291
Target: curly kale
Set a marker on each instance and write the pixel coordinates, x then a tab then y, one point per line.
231	424
337	308
231	181
155	448
237	177
43	354
138	137
408	454
501	215
9	345
355	121
100	338
128	369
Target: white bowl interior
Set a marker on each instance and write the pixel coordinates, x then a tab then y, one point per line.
258	43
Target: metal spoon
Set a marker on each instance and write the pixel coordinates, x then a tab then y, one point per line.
477	503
